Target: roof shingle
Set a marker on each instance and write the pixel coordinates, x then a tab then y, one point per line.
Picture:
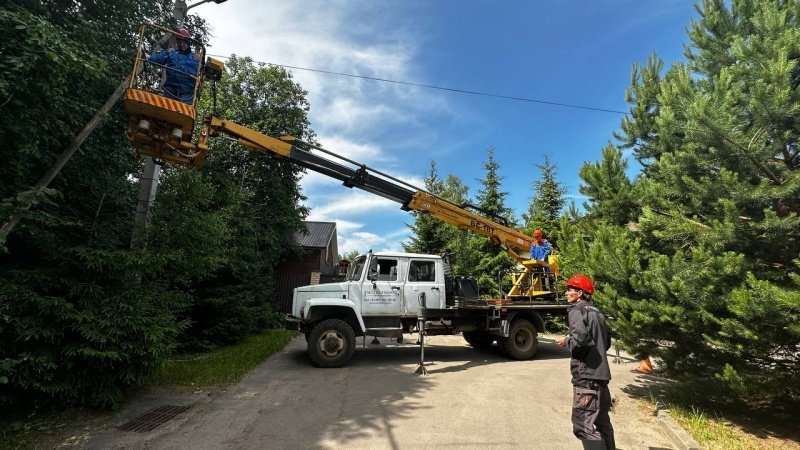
319	234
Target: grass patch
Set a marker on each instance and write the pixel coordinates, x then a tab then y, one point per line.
223	365
49	429
734	425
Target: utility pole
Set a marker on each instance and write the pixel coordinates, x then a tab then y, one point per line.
148	183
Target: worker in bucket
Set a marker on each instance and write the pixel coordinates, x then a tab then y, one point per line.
540	249
181	66
588	341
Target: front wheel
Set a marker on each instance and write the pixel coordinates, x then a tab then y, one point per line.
331	343
521	342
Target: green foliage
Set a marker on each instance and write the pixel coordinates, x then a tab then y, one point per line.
350	256
547	202
434	236
610	193
490	260
225	364
83	318
85	338
429	234
225	227
472	255
695	259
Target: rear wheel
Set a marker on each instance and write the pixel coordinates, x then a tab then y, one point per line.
331	343
521	342
478	339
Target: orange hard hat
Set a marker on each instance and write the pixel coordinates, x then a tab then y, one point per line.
581	282
537	233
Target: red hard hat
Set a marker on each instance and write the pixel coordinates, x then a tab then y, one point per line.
537	233
581	282
182	33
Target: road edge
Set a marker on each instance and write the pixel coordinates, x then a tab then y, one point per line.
674	431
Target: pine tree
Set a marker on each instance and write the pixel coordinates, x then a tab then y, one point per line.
610	192
705	276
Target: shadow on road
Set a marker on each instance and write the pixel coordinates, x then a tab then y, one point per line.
378	387
286	402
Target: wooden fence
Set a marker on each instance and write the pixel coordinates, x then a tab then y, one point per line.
285	284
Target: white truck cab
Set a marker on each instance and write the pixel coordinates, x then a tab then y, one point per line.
381	296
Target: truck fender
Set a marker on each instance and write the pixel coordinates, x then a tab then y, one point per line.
318	309
533	316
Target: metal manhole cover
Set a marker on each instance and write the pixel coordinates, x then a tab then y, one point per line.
153	418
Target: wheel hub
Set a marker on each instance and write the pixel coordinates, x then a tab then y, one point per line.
522	338
331	344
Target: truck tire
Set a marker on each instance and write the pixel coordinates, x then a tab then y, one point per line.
478	339
521	342
331	343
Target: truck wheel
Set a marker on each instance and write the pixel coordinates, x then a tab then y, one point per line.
521	342
478	339
331	343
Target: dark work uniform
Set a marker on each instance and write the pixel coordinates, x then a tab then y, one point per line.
588	342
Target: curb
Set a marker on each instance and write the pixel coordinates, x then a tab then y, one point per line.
676	433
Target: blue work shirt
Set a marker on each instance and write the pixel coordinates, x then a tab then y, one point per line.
540	250
181	73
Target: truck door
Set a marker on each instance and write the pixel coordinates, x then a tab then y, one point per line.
382	296
423	278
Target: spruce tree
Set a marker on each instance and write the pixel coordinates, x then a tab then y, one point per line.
429	234
547	202
488	260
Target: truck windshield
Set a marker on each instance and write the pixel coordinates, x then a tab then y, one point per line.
354	274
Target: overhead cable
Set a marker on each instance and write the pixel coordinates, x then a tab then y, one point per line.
441	88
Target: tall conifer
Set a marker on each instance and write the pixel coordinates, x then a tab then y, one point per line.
705	275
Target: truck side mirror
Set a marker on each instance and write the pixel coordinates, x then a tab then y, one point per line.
372	273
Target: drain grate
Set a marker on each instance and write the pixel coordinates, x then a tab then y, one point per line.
153	418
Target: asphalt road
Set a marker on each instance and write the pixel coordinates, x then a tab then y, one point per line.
469	399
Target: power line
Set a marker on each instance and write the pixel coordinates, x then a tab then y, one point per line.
441	88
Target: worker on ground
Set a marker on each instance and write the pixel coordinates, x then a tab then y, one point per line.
181	66
588	341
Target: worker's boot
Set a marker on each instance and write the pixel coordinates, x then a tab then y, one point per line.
608	438
593	445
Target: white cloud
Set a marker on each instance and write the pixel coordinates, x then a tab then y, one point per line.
353	204
362	241
353	117
330	36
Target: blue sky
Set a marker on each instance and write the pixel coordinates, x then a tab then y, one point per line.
578	53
